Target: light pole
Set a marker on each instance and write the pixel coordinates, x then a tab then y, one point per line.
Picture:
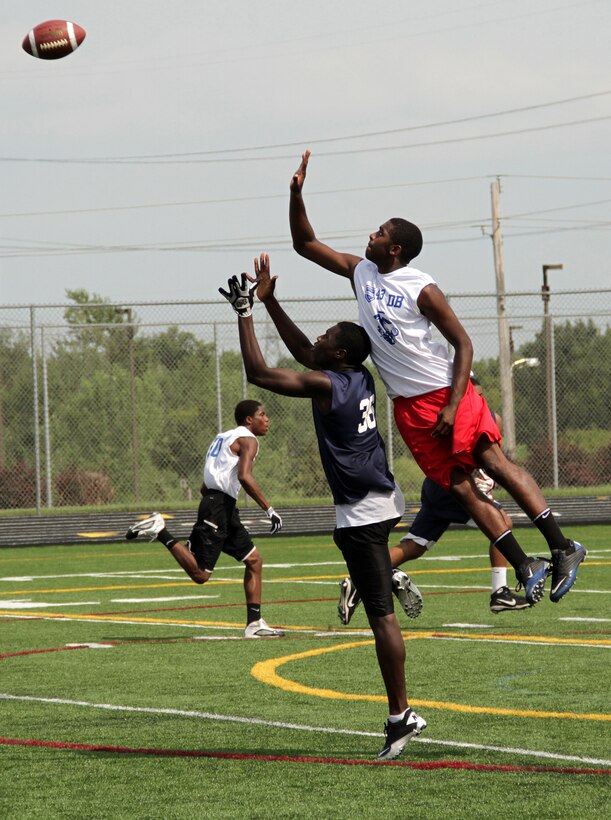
550	371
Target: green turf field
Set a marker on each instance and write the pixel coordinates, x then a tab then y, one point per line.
140	699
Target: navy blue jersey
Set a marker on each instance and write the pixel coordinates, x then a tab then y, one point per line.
351	449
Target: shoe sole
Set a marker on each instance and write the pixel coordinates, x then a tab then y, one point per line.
345	613
518	608
411	603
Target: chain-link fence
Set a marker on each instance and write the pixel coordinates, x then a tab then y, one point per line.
117	404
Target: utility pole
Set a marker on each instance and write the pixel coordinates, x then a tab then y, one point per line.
550	373
507	399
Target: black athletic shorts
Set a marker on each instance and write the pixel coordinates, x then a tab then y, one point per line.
365	551
439	509
218	529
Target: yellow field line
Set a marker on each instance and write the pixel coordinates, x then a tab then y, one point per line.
265	671
335	577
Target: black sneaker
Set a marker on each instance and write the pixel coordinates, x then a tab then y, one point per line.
349	599
397	734
531	575
564	569
504	599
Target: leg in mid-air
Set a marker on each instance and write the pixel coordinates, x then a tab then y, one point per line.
566	555
198	556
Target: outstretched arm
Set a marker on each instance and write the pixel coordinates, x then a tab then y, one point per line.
304	239
297	342
433	304
286	382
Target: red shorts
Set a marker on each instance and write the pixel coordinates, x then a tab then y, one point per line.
416	418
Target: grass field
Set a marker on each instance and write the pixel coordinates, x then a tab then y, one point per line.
128	691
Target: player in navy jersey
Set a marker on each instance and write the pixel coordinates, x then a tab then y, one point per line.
367	501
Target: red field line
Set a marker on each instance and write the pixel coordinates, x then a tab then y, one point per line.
340	761
38	651
267	603
211	606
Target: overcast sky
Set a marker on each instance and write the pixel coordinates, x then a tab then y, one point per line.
155	161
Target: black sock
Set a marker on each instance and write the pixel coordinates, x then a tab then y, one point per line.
166	539
253	613
549	529
510	549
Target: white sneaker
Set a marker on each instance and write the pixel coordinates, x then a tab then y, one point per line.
259	629
149	528
407	592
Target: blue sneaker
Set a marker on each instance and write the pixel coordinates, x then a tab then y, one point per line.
531	575
564	569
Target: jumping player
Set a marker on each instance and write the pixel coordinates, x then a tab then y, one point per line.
367	501
228	466
446	425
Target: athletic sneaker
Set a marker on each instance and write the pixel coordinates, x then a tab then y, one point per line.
564	569
397	734
259	629
407	592
349	599
503	600
149	528
531	575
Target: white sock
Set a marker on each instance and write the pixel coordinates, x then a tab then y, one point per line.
499	577
397	718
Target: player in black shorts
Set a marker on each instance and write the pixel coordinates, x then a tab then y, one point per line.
228	467
367	501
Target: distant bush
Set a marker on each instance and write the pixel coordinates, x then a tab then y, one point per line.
76	487
576	468
17	486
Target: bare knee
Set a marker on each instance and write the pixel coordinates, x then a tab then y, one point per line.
254	562
199	576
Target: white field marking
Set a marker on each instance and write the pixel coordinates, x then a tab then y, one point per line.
302	728
453	586
469	626
588	620
93	645
43	605
476	587
583	645
157	600
129	573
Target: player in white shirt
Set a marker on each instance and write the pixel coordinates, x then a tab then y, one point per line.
446	425
228	467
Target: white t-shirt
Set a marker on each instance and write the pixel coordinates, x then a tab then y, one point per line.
221	464
409	362
375	507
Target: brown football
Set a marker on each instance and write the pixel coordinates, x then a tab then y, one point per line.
53	39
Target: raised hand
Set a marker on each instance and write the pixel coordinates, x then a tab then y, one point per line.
300	174
267	283
240	294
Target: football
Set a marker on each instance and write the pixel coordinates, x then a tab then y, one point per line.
53	39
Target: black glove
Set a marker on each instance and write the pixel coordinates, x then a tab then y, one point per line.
240	296
275	519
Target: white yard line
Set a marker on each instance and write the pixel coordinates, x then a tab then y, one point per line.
301	728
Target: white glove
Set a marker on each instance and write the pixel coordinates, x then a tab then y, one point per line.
240	295
483	482
275	520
